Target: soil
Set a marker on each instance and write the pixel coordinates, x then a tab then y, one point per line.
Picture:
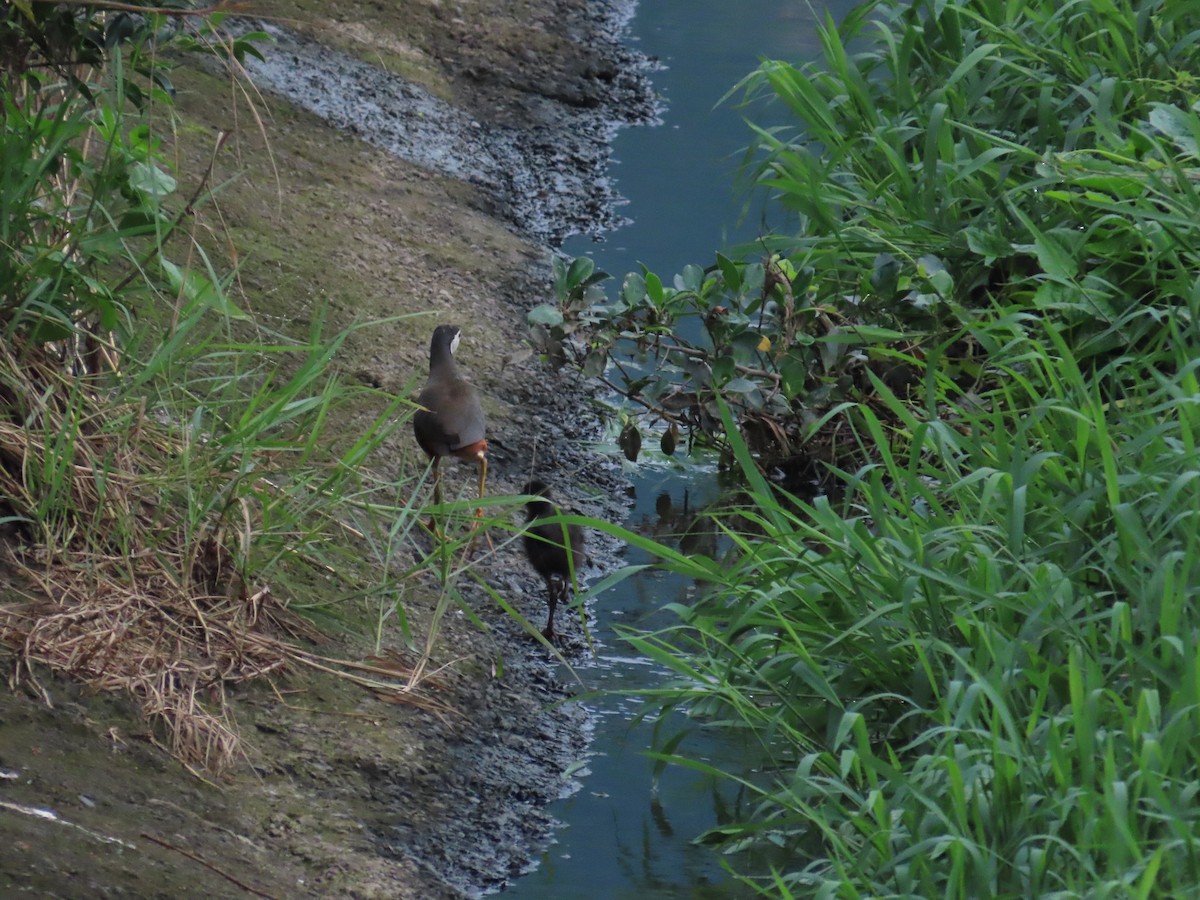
402	158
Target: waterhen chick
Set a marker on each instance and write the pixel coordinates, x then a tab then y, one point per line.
555	561
450	421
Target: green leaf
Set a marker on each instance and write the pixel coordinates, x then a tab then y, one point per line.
988	244
729	271
547	314
199	289
690	279
559	269
942	282
633	291
972	60
1180	126
245	46
161	78
1052	255
795	374
150	181
654	288
581	268
863	334
722	369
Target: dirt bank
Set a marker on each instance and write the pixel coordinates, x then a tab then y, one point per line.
340	794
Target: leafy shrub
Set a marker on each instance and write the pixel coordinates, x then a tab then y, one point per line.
85	206
960	156
973	674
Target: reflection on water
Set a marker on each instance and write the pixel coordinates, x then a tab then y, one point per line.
629	833
684	526
630	828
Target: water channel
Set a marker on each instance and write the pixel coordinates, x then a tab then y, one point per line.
626	835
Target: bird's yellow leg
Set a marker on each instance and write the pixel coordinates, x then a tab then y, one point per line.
437	497
483	470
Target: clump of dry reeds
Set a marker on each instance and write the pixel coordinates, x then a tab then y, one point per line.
121	591
135	537
115	598
122	625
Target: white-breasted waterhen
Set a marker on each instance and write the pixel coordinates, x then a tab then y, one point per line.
450	420
557	562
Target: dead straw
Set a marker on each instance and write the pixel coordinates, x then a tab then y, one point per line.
118	593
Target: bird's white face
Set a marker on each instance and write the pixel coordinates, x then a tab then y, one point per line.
454	342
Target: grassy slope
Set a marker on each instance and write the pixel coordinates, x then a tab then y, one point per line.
323	218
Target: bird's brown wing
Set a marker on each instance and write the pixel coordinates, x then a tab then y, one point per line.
452	418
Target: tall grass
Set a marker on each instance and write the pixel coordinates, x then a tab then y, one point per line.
180	492
979	679
943	152
976	675
946	158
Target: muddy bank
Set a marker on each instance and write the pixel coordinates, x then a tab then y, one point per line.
341	794
544	171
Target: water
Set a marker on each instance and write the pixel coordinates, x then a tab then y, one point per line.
628	835
679	177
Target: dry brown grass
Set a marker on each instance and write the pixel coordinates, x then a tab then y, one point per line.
127	545
121	625
122	594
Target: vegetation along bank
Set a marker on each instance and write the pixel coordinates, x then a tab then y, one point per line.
236	658
958	379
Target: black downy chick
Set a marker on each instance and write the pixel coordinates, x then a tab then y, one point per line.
555	561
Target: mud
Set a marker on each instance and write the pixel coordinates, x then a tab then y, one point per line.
546	175
439	195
